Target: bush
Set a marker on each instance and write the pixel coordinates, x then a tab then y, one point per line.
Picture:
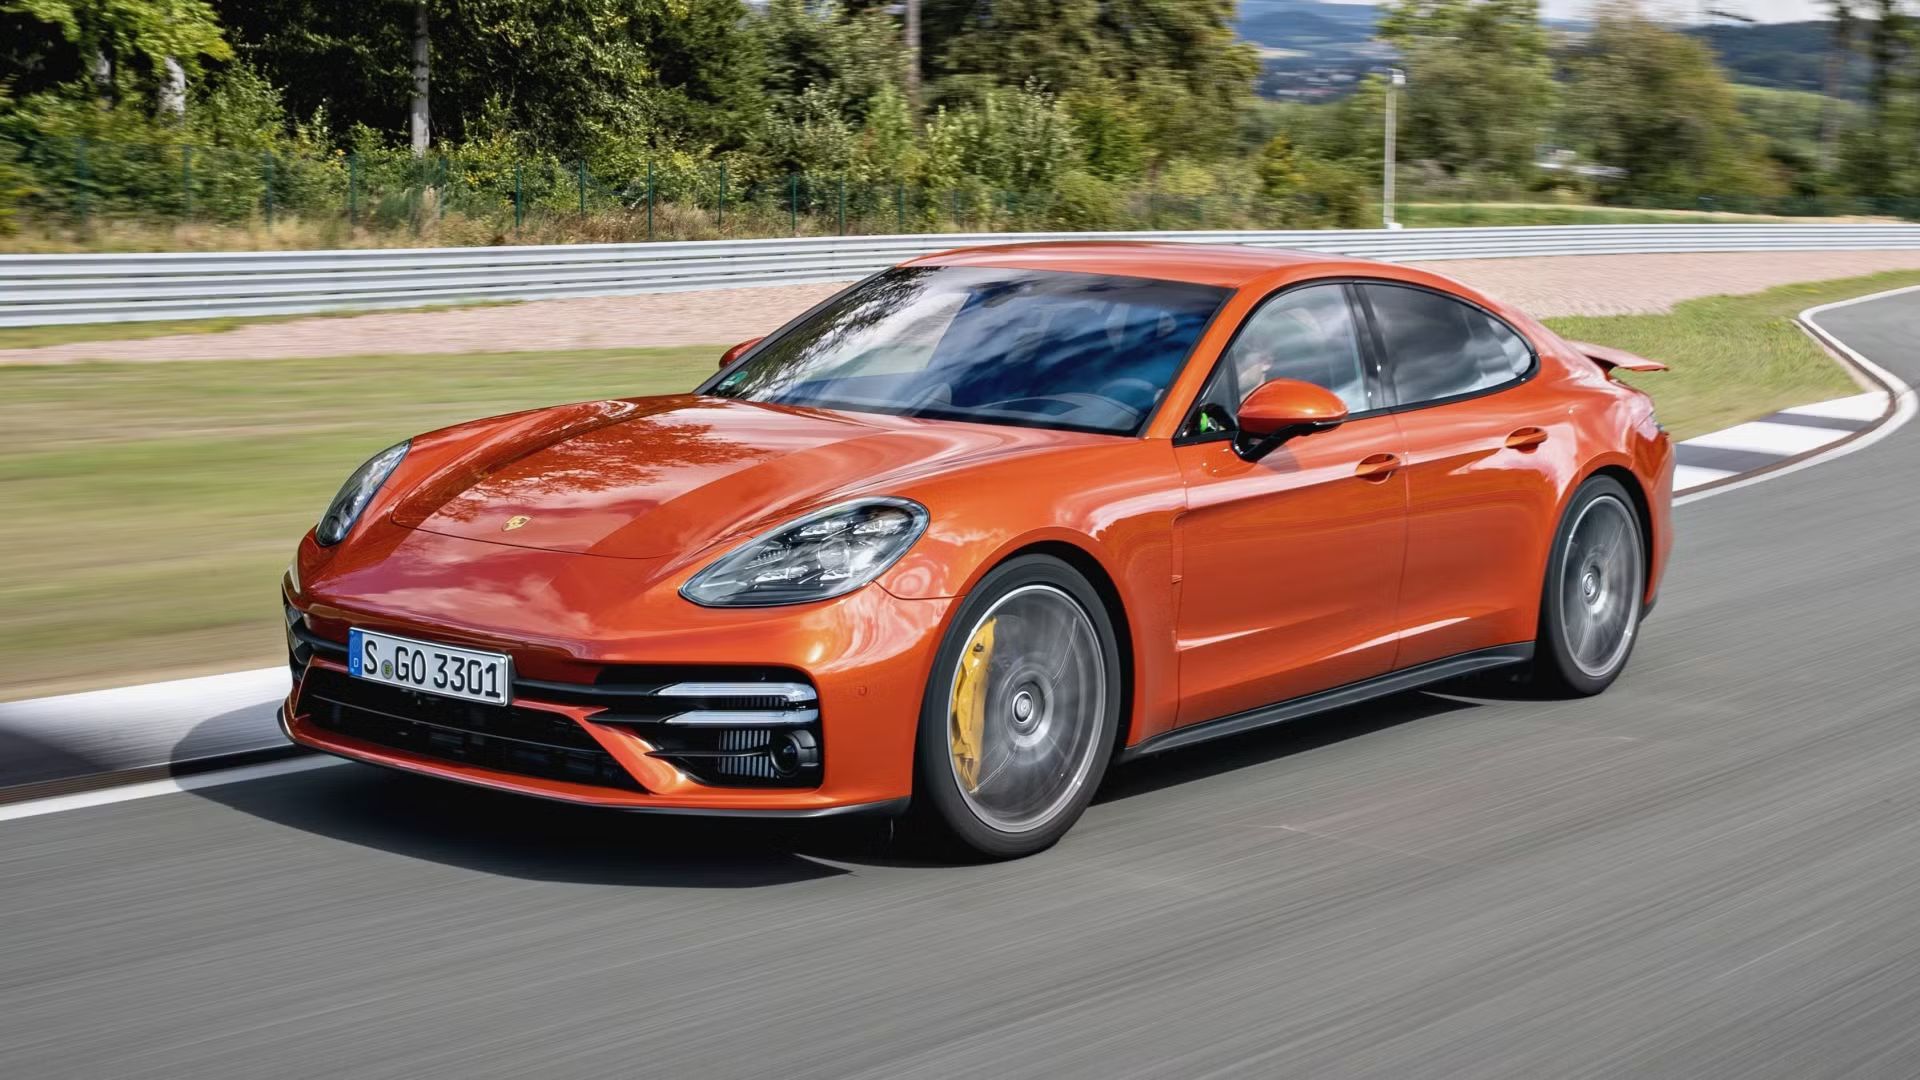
1332	195
1083	202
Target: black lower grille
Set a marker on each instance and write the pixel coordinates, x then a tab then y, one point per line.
720	725
525	742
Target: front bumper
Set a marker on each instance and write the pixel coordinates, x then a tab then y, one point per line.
865	656
420	767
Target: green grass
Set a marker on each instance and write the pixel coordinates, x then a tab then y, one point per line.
1734	358
147	510
34	337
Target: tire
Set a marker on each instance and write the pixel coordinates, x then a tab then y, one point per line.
1020	714
1595	592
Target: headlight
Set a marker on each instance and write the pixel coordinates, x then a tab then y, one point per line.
822	555
355	494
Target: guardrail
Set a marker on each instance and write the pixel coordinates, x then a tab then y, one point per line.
42	289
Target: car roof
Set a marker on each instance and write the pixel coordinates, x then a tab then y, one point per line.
1229	265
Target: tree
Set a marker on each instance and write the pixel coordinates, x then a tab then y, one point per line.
418	109
1480	83
169	40
1837	53
1886	47
1178	58
850	56
565	76
1653	102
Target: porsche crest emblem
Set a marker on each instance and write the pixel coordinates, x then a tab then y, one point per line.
515	522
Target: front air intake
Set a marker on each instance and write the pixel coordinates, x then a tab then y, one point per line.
750	729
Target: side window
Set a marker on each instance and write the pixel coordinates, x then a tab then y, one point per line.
1439	348
1307	334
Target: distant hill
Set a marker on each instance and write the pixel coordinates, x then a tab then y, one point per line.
1306	24
1784	56
1311	49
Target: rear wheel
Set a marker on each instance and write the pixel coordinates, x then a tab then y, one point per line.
1596	585
1020	712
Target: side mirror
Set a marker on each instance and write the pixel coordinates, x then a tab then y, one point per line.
734	353
1279	410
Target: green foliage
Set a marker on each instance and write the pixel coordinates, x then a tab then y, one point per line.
233	146
1480	83
849	58
572	76
1792	125
1651	101
1279	169
1086	203
151	31
1014	140
1332	195
16	186
1029	113
1111	134
1176	58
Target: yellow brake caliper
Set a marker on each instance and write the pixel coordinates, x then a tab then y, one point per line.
970	705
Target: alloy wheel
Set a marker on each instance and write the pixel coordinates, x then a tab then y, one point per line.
1602	576
1024	708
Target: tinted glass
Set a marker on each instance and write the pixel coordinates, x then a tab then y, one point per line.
1440	348
1037	348
1308	334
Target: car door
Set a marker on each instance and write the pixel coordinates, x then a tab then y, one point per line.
1289	566
1485	458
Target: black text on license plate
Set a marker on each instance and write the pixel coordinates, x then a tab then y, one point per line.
435	669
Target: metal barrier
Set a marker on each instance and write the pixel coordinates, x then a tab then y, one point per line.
42	289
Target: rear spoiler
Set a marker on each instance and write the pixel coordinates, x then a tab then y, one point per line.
1609	358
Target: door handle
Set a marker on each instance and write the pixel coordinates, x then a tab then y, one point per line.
1526	438
1377	467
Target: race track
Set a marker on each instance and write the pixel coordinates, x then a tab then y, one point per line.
1713	870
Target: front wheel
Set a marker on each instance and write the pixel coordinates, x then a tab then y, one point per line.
1020	712
1596	585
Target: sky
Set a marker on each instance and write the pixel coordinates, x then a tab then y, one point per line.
1759	10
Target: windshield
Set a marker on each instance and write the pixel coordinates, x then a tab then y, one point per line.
1039	348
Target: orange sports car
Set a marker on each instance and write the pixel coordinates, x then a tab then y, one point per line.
965	534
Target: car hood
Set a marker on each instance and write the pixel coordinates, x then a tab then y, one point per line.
652	477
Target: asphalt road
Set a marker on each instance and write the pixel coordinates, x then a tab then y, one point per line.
1713	870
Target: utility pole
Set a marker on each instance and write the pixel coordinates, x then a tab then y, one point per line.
1396	78
911	30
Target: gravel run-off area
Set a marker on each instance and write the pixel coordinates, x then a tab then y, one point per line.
1546	287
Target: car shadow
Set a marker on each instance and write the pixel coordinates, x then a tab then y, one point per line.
515	836
27	760
1201	761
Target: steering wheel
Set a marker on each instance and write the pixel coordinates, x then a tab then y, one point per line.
1136	394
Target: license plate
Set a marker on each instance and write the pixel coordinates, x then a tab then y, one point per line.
434	669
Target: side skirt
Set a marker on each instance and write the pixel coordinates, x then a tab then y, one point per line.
1393	682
